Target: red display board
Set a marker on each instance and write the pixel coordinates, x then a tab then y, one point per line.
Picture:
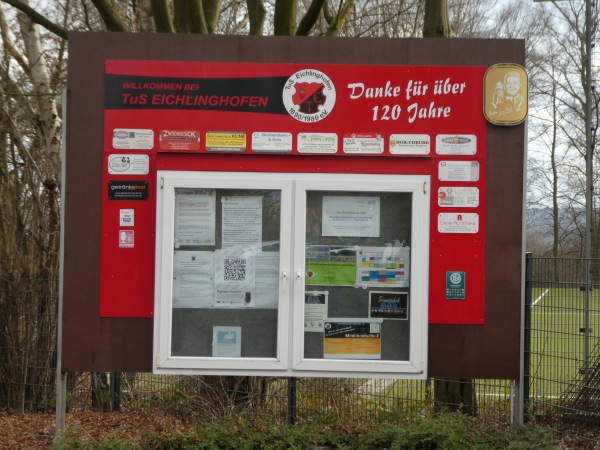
293	118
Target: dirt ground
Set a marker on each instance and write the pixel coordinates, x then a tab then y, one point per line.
36	431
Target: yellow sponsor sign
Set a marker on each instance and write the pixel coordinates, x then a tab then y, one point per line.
226	141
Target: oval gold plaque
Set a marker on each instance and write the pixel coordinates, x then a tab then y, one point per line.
505	94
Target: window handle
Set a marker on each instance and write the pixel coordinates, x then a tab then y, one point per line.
299	281
284	281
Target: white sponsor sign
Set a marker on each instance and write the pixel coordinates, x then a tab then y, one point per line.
452	196
458	222
271	142
458	171
456	144
410	144
133	139
128	164
363	143
317	143
126	217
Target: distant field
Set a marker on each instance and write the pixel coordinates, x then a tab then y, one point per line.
557	344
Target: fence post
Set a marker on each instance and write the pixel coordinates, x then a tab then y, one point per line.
526	332
115	391
291	400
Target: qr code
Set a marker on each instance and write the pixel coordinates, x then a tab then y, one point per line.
235	269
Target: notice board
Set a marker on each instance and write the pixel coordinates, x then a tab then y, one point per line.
122	319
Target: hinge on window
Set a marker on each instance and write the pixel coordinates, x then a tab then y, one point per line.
162	182
425	187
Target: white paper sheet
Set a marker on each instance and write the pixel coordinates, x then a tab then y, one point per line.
193	279
351	216
195	217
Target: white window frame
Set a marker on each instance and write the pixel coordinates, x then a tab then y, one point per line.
415	367
290	359
168	182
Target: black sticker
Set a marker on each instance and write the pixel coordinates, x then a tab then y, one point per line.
389	305
128	190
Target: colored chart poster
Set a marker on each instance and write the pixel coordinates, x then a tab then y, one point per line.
383	266
345	339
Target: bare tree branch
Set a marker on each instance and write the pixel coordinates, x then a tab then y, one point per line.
110	16
310	18
38	18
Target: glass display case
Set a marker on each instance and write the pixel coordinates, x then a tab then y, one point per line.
316	274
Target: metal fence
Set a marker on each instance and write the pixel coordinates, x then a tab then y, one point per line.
562	336
562	374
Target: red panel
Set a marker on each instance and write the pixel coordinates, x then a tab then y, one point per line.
127	266
168	97
458	252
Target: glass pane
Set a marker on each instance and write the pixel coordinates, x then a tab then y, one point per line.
357	275
226	272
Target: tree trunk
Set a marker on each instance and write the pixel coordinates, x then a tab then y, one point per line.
285	17
455	395
256	15
437	21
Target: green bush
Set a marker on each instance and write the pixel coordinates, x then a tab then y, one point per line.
445	432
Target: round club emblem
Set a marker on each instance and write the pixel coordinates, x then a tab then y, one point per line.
309	95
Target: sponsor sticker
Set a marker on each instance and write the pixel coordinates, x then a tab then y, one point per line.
458	171
271	142
126	239
371	143
410	144
128	190
466	197
317	142
126	217
179	140
132	139
449	144
458	223
128	164
225	141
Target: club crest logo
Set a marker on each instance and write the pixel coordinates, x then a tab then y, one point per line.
309	95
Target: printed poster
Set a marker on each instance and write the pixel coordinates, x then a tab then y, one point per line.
315	310
349	216
242	221
266	280
234	285
194	217
227	342
352	339
383	266
193	279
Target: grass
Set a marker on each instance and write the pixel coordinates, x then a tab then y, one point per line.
557	344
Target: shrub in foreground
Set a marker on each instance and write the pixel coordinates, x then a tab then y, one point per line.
446	432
